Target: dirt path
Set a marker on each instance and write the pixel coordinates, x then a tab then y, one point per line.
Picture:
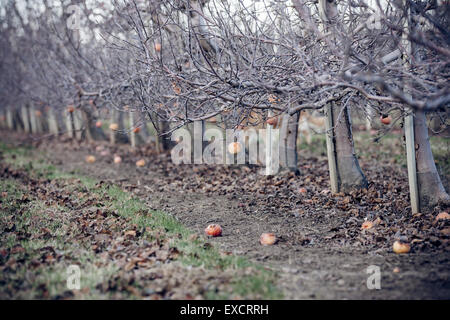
323	253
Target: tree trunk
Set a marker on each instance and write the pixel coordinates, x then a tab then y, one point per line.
78	124
288	142
350	175
52	122
25	119
10	119
164	140
92	132
431	190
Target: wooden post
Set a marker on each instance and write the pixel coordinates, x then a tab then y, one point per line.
40	126
3	119
331	149
411	162
112	133
132	133
52	122
409	131
198	143
33	120
9	119
329	123
272	160
78	124
25	119
69	124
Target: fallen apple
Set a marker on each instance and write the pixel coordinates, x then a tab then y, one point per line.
302	190
140	163
157	47
136	130
70	109
90	159
267	239
213	230
401	247
114	126
98	124
442	216
117	159
367	225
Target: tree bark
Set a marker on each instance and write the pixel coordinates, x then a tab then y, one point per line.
288	143
431	190
350	175
164	140
92	132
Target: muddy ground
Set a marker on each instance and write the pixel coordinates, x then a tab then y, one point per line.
322	253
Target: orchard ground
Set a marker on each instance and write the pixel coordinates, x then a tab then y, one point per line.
138	232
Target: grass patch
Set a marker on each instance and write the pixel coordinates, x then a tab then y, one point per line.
30	278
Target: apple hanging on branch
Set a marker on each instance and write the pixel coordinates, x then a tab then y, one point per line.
385	119
234	147
272	121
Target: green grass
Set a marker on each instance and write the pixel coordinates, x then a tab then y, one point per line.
389	147
194	252
54	276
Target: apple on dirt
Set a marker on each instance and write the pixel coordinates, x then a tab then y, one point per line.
98	124
140	163
442	216
213	230
267	239
401	247
367	225
117	159
90	159
302	190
